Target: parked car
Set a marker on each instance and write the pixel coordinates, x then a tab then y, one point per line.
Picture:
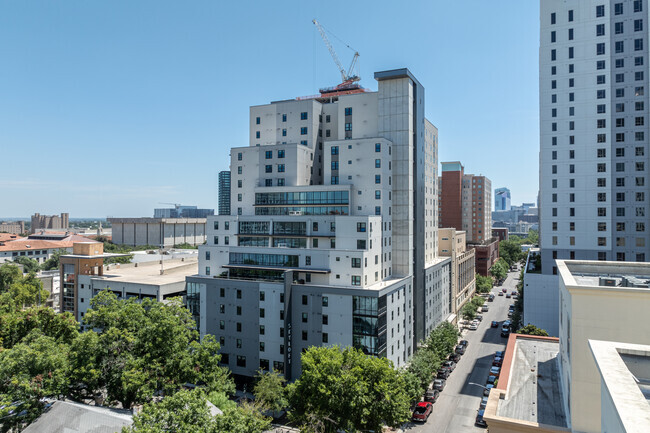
491	298
439	384
422	411
508	295
513	293
494	324
510	313
431	395
500	353
497	362
511	307
507	323
505	332
479	317
490	380
460	350
485	308
454	357
479	419
473	326
500	293
443	373
494	371
463	343
483	403
486	390
451	365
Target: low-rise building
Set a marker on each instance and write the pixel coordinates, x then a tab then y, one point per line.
501	233
13	227
451	243
38	246
487	254
165	232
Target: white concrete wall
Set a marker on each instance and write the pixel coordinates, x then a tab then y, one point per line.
541	302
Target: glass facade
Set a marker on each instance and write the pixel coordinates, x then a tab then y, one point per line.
290	242
302	198
306	210
369	324
277	260
290	228
193	300
248	241
253	227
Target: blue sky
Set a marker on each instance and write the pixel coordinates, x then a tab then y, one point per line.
108	108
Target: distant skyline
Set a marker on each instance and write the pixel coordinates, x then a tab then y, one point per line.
109	109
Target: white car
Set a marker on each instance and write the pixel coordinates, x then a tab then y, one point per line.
473	326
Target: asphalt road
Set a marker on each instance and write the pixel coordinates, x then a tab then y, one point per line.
456	408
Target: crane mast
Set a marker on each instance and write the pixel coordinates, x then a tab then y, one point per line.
346	77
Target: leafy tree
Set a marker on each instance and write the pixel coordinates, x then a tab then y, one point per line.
269	391
29	264
477	301
423	363
442	340
85	366
532	330
468	312
533	237
24	292
510	250
243	419
483	284
348	391
412	385
500	269
149	346
17	324
53	261
9	274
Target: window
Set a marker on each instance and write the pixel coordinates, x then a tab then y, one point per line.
307	260
620	166
222	292
601	153
377	147
600	11
378	178
620	78
639	166
356	280
335	150
325	301
303	130
620	152
334	180
361	227
600	108
377	194
639	151
640	227
257	134
553	18
600	94
620	137
600	79
620	63
570	15
356	262
602	196
601	182
638	106
638	61
638	5
377	163
303	115
620	107
238	326
241	361
570	56
618	9
602	211
600	30
361	244
600	50
284	132
620	181
222	324
348	111
377	210
620	122
638	44
638	25
553	36
620	196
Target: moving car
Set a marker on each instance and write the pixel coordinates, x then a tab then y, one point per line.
479	419
494	324
439	384
431	395
500	293
422	411
508	295
504	290
449	364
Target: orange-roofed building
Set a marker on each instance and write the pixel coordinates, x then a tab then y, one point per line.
38	246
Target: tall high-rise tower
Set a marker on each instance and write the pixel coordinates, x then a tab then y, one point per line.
501	199
224	192
593	131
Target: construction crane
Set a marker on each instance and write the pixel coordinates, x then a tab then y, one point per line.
347	77
176	205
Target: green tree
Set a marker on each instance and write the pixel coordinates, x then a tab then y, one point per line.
500	269
510	250
243	419
468	312
17	324
442	340
483	284
9	274
29	264
423	363
24	292
532	330
533	237
412	385
348	391
53	261
269	391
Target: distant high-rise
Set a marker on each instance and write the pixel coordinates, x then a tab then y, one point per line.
224	192
180	211
501	199
593	131
40	222
464	202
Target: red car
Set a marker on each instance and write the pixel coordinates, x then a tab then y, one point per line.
422	411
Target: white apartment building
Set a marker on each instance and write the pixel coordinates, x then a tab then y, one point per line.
593	130
333	232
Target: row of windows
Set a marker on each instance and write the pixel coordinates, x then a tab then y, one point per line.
600	11
602	211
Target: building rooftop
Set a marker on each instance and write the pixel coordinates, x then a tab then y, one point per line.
529	389
602	275
149	273
625	372
33	242
70	417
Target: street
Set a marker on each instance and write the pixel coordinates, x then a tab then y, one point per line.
457	406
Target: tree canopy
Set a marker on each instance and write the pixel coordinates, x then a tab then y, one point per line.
346	390
499	270
483	284
532	330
